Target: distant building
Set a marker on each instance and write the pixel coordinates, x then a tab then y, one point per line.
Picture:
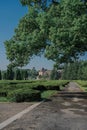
44	73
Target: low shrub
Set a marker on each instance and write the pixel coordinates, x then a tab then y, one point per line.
83	84
3	93
23	95
49	93
21	91
39	87
3	99
55	84
52	87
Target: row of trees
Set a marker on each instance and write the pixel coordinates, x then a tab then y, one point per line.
56	27
70	71
18	74
75	71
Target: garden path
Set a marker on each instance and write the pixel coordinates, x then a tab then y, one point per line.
73	87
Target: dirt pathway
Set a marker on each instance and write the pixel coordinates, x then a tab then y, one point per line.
73	87
8	110
18	116
56	114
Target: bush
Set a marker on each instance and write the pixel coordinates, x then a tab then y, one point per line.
3	93
83	84
22	95
52	87
29	90
45	86
49	93
39	87
3	99
55	84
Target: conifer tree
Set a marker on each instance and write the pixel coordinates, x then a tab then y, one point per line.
0	75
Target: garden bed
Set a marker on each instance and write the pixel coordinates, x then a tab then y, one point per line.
22	91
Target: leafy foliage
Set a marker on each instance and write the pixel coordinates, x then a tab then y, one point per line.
10	73
18	75
17	53
47	94
24	95
0	75
83	84
20	91
59	29
75	71
68	35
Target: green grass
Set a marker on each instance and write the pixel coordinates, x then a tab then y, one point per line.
83	84
3	99
48	94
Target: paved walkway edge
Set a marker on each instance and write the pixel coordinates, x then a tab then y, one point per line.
17	116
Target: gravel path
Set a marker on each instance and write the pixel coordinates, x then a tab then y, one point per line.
73	87
18	116
8	110
56	114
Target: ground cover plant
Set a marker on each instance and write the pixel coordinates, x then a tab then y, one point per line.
3	99
47	94
29	90
22	95
82	84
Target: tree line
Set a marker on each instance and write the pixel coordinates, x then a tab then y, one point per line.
69	71
18	74
75	71
57	28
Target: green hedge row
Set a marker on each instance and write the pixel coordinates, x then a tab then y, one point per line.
3	93
24	95
29	91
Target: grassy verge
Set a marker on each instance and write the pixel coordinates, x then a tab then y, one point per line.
48	94
3	99
83	85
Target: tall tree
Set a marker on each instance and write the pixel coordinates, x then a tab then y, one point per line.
57	28
24	74
10	73
68	36
0	75
4	75
54	74
18	75
30	38
34	73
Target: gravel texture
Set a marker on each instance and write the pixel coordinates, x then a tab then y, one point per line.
8	110
56	114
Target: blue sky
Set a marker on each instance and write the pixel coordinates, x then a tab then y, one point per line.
10	13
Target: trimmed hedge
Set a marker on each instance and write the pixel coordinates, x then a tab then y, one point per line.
22	95
20	91
48	93
52	87
3	93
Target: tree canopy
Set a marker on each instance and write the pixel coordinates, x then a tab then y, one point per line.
57	28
